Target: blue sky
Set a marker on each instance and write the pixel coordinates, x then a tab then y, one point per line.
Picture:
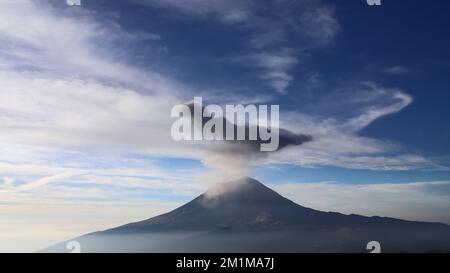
384	45
86	94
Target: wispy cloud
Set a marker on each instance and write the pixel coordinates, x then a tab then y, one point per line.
397	70
276	66
320	24
337	140
43	40
424	201
268	26
397	101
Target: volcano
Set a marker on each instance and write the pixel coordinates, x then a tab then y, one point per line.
246	216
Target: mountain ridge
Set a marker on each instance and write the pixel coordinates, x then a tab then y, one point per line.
261	203
245	215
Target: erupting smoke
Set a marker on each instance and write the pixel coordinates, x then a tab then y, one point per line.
231	159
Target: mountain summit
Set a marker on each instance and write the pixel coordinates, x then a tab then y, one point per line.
241	205
246	216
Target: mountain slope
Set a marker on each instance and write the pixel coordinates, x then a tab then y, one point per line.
245	215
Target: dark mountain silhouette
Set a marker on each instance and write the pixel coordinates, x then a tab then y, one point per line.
246	216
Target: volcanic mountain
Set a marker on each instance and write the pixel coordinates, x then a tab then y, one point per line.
246	216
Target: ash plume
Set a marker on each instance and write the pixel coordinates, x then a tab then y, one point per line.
231	159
